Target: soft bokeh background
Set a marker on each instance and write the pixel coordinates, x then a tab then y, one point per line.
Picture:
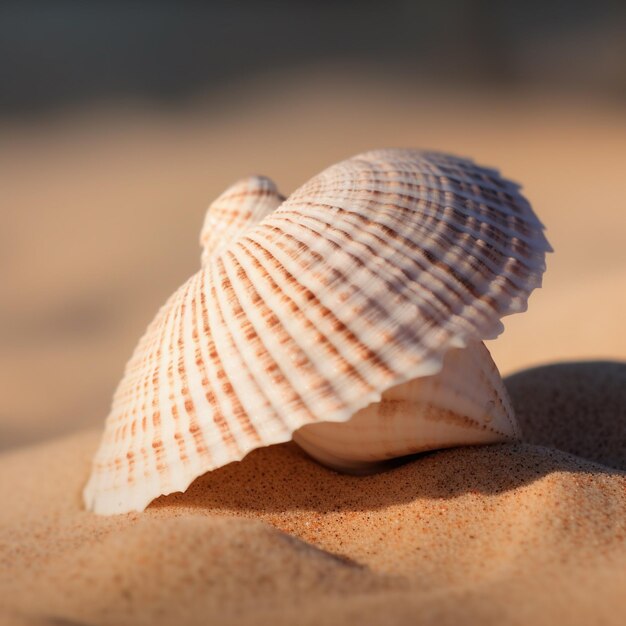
121	121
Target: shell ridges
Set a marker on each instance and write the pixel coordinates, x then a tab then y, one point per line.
309	309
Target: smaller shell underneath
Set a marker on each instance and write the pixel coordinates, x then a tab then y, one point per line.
465	403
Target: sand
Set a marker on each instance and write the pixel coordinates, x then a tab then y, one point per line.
505	533
106	208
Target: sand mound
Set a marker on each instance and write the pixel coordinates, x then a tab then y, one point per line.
183	569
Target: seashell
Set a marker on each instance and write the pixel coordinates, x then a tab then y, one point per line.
348	317
242	205
465	403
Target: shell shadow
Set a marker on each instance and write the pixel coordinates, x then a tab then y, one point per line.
577	407
282	478
555	403
573	416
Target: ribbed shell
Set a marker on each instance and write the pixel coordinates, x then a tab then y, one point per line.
464	403
243	204
362	279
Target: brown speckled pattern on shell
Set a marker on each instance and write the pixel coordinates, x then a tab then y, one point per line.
364	278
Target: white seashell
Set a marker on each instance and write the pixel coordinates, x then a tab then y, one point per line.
466	402
242	205
366	277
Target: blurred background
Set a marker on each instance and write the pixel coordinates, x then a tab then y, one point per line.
121	121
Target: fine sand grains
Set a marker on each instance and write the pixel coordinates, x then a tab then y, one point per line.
506	533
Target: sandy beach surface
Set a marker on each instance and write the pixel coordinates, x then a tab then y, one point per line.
105	210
